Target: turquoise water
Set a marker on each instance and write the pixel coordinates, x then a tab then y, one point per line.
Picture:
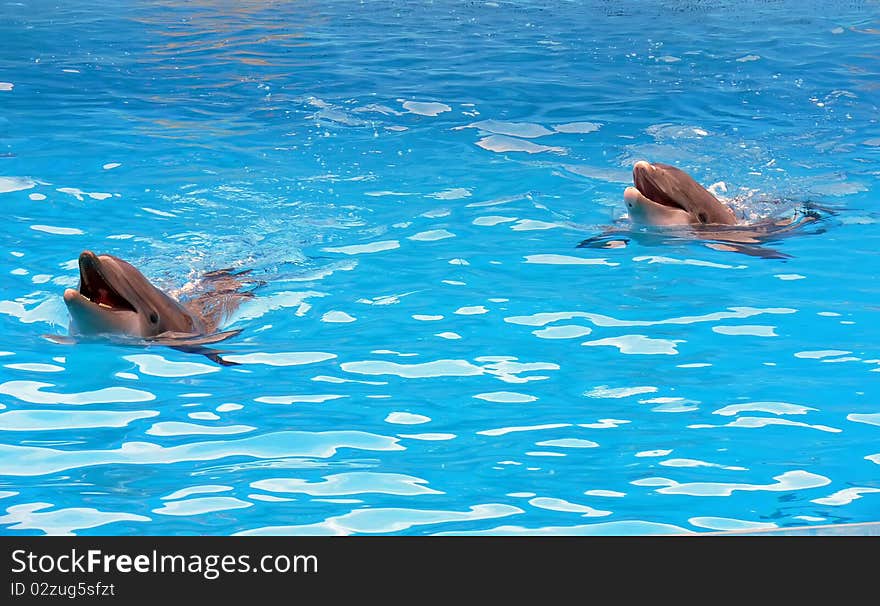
431	352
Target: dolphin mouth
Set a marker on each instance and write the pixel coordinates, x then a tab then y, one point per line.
96	288
644	183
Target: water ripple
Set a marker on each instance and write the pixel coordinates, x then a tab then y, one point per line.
349	483
407	219
621	527
788	481
34	392
64	521
32	461
201	505
388	520
48	420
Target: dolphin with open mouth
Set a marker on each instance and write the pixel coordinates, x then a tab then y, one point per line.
115	300
668	198
666	195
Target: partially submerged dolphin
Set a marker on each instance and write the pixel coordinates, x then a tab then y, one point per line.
665	196
115	300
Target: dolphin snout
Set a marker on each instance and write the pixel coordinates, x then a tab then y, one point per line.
642	172
631	196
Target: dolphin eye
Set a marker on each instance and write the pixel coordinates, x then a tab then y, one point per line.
702	217
154	317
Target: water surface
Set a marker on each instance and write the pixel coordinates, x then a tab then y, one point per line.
431	353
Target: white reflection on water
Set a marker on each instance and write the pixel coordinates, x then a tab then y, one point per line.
788	481
506	430
533	225
10	184
293	358
698	463
201	489
749	330
619	528
426	108
356	482
503	144
359	249
298	399
453	336
778	408
35	367
428	437
47	420
65	521
603	391
327	379
821	353
229	407
525	130
693	262
58	231
387	520
604	493
604	423
455	193
757	422
508	397
870	419
34	461
638	345
568	443
562	332
406	418
555	504
845	496
548	259
653	453
715	523
34	392
505	368
471	310
176	428
544	318
490	220
431	235
338	317
155	365
437	368
201	505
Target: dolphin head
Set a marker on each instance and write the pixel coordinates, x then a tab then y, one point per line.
666	195
115	298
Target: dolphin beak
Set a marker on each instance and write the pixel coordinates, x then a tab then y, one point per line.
647	203
96	307
642	166
71	294
94	286
641	173
646	183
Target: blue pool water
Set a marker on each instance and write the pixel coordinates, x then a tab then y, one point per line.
431	352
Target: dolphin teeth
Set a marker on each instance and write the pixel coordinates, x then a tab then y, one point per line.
104	305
